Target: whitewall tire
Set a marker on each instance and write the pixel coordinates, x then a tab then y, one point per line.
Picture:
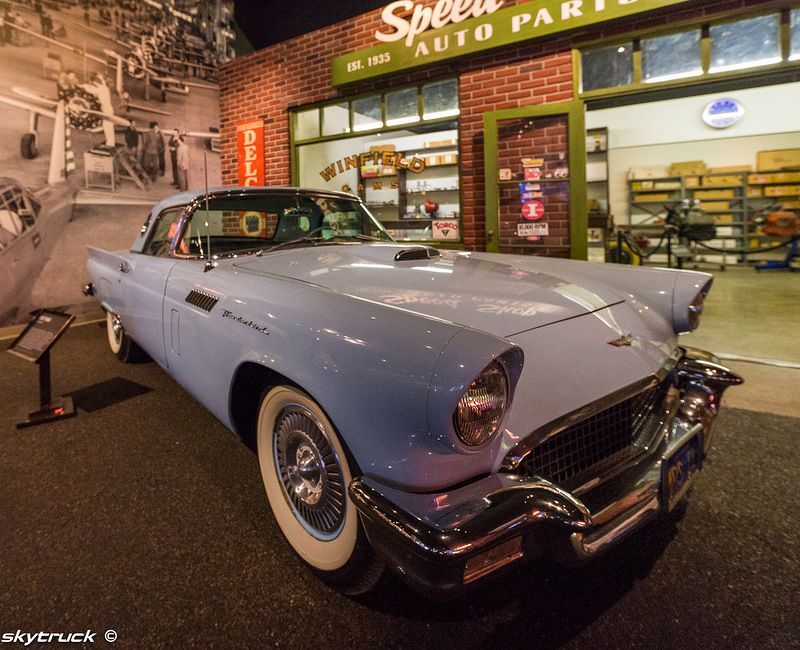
122	345
306	474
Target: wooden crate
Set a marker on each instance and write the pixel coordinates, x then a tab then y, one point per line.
782	190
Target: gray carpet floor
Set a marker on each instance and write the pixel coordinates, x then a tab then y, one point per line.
145	516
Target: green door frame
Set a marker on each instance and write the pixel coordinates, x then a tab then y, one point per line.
578	219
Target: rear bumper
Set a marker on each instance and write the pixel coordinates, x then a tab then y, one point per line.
440	543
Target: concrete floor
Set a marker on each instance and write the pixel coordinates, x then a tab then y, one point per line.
752	315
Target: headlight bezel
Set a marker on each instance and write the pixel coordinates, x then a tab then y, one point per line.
491	373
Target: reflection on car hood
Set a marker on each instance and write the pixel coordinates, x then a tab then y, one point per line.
483	291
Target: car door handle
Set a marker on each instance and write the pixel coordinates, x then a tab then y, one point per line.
124	267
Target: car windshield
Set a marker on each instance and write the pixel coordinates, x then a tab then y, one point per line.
242	224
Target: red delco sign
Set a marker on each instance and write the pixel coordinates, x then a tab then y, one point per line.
250	151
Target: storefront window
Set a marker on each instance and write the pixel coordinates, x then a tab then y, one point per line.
673	56
306	125
367	113
407	177
606	67
401	107
440	99
745	44
336	119
794	26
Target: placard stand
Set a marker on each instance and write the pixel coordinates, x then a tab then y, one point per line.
34	344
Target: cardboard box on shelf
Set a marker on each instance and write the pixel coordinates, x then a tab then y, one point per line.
382	147
692	181
714	194
651	197
782	190
733	180
687	168
715	206
724	231
774	177
638	186
723	218
638	173
666	185
435	144
777	159
732	169
790	205
754	192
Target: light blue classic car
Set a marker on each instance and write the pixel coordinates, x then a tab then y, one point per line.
443	414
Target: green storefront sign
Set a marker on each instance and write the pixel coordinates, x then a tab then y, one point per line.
513	24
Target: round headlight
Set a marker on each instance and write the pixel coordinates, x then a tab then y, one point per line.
481	407
696	310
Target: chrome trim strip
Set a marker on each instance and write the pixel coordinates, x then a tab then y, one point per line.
589	545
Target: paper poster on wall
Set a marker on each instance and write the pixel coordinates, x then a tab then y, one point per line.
533	229
250	152
445	229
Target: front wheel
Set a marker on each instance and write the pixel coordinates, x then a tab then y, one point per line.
306	474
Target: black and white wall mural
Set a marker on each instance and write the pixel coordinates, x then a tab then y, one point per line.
107	107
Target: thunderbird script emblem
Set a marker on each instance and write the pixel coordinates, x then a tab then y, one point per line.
625	339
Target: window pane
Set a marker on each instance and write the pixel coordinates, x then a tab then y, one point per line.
401	107
674	56
367	113
306	124
336	119
745	44
794	26
440	99
607	67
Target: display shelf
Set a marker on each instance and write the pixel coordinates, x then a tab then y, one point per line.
541	180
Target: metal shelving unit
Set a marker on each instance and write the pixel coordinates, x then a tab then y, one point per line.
732	220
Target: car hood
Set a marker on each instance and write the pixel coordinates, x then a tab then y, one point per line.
489	292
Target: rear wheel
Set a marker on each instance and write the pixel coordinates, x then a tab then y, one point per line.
306	474
122	345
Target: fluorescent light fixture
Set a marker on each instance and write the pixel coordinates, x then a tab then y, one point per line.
745	64
672	77
367	126
402	120
435	115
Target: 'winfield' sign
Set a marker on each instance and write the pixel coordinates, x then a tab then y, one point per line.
415	35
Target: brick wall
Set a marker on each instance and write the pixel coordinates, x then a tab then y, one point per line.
269	82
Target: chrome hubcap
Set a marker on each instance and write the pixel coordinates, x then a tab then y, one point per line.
309	471
116	327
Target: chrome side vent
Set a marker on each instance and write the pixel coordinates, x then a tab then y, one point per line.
416	253
201	300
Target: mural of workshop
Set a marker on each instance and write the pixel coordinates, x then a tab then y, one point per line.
108	106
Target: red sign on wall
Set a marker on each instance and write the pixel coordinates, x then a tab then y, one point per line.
533	210
250	151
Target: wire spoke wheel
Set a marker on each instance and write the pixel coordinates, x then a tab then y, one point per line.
310	472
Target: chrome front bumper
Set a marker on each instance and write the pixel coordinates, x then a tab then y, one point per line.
440	542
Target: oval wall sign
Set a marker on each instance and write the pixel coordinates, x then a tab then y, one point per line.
722	113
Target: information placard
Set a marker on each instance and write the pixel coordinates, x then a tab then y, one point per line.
40	335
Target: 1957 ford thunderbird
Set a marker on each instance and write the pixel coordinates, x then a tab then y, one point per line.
443	414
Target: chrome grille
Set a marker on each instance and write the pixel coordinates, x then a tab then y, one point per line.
595	443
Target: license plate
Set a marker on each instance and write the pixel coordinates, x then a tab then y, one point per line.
679	470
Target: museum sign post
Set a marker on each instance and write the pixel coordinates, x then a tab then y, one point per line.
34	344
